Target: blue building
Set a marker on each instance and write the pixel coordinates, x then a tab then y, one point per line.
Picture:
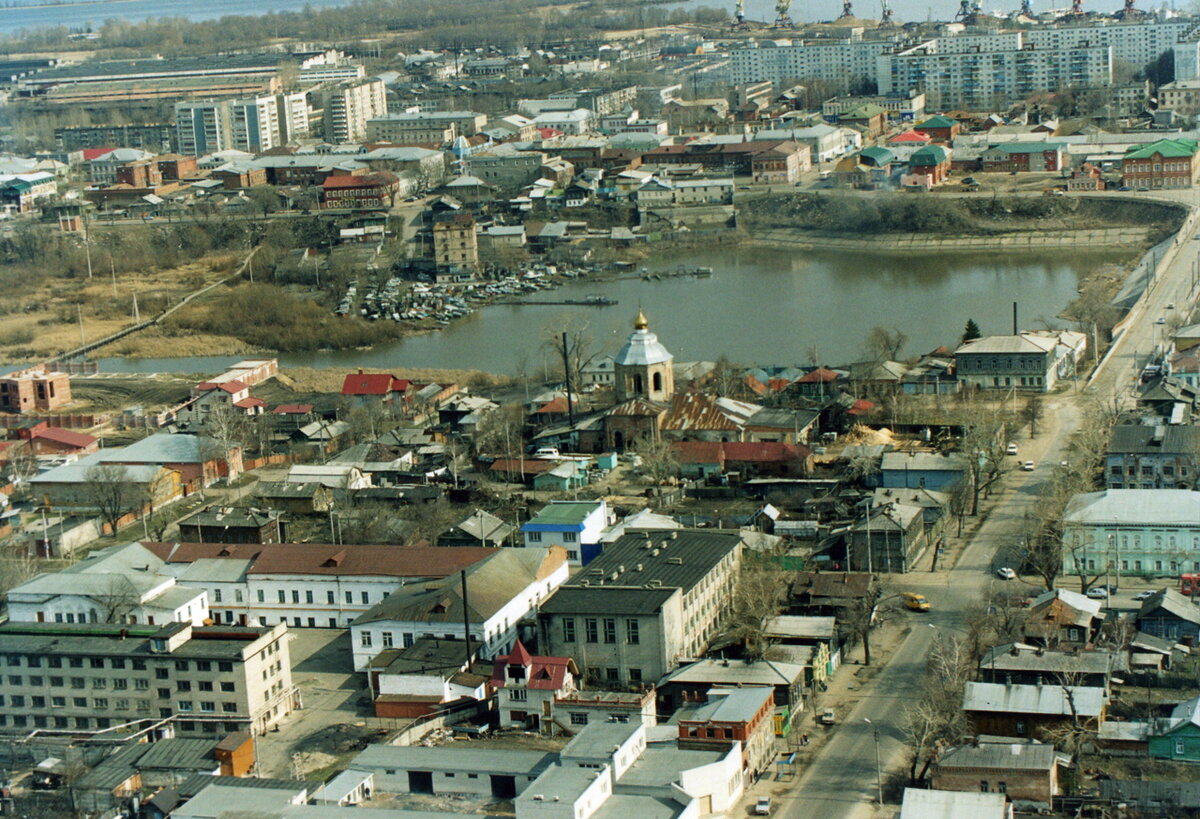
920	470
574	525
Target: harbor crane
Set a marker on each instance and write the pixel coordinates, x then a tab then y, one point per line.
885	14
847	10
782	18
739	12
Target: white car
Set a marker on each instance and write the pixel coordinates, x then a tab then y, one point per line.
1145	594
1027	466
1098	593
763	806
1006	574
1011	449
1161	320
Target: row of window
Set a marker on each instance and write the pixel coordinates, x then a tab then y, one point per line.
118	683
593	627
309	597
567	537
118	663
102	703
1175	566
102	723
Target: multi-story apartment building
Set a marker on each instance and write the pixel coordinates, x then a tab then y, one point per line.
843	63
332	72
203	127
304	584
456	244
986	79
156	138
293	116
349	106
402	127
1136	43
253	124
650	601
176	678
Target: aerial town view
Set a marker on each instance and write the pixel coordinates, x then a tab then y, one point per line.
599	409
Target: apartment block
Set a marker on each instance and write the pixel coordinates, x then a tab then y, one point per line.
177	678
407	126
156	138
456	244
349	106
842	63
254	124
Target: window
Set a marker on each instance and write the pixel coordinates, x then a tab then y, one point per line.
203	665
181	665
56	682
58	702
387	639
308	596
116	662
14	679
983	786
590	630
329	598
120	684
366	598
141	685
568	630
578	718
1179	747
229	707
282	596
227	687
612	674
349	597
183	685
262	596
184	705
632	631
159	674
78	682
365	639
533	537
208	707
216	595
35	681
610	630
79	702
635	675
100	703
295	595
570	537
204	685
408	640
225	665
518	695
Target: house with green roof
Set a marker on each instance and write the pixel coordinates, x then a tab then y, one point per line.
868	118
932	161
573	525
1166	163
877	157
940	128
1023	157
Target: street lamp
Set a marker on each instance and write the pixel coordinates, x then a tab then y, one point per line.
878	770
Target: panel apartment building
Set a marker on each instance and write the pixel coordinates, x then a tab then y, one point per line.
253	124
207	681
349	106
840	62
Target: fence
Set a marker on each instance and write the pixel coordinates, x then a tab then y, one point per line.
450	715
69	421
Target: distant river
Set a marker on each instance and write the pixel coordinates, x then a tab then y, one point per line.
85	14
760	306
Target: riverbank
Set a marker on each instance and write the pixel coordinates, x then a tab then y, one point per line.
800	239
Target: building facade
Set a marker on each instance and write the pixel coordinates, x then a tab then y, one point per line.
1133	532
176	678
348	107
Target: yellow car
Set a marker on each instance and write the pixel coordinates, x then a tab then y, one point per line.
915	602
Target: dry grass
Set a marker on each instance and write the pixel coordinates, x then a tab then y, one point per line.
312	380
44	322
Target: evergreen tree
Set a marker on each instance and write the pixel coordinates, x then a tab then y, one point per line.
971	331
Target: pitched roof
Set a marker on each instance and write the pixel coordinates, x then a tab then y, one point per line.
373	384
1166	148
906	137
698	452
1171	602
329	559
929	155
1000	756
541	673
937	121
65	436
1161	507
1049	700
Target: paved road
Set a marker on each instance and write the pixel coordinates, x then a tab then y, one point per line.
841	781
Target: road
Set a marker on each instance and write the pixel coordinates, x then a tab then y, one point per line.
841	781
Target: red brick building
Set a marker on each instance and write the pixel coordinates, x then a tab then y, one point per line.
36	389
745	715
142	173
940	128
1167	163
368	191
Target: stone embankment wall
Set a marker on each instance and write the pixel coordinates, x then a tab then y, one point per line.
927	243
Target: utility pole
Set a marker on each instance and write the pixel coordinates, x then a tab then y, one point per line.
112	269
79	313
566	354
87	244
878	769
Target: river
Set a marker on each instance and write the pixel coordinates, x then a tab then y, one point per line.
760	306
84	14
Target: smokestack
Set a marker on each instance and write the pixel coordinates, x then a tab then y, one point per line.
1015	330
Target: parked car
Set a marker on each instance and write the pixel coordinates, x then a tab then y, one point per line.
1098	593
763	806
1027	466
1006	573
827	717
915	602
1011	449
1170	305
1161	320
1145	594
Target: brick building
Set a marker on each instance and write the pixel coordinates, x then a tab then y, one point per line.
1168	163
368	191
734	714
37	389
455	245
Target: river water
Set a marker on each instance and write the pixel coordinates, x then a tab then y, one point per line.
85	14
760	306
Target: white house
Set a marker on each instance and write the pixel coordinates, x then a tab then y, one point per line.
501	590
577	121
304	584
527	686
574	525
119	584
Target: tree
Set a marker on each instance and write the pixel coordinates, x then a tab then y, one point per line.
983	447
117	598
16	567
936	719
111	490
658	458
758	598
1032	414
971	331
883	344
572	345
864	614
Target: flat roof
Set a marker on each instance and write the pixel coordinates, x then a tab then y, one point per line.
599	739
480	760
661	764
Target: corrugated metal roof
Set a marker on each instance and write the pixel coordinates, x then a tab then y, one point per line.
1047	700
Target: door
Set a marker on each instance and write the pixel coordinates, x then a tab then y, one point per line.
420	782
504	787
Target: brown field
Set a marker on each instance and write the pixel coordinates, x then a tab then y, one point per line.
312	380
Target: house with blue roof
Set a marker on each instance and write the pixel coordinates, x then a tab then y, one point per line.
574	525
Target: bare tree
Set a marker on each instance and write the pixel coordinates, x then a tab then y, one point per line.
111	490
658	458
864	614
501	431
1032	414
936	719
883	344
117	598
569	339
16	567
759	596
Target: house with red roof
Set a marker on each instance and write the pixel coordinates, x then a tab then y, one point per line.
43	439
363	387
361	191
907	143
699	459
527	685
